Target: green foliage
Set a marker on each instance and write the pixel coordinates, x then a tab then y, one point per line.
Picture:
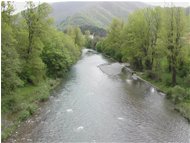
187	80
8	104
59	53
100	46
32	47
76	35
36	22
93	14
93	30
174	28
151	40
24	115
184	109
155	41
33	51
10	61
178	94
112	43
32	108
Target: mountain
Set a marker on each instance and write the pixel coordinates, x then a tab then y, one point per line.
98	14
187	10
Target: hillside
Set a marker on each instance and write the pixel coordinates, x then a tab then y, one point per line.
98	14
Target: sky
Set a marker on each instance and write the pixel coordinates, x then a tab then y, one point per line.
20	4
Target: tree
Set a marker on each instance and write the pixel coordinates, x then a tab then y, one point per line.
37	21
152	21
10	61
174	31
134	40
59	53
76	35
113	41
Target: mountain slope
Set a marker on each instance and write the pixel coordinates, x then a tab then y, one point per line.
98	14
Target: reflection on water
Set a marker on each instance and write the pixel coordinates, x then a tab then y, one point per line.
94	106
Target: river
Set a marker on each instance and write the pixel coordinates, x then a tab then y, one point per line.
99	103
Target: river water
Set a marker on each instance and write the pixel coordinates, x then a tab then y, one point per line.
99	103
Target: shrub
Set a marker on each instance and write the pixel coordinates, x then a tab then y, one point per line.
9	104
152	75
32	108
187	80
43	96
166	78
24	115
178	94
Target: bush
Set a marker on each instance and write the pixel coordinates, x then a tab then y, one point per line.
187	80
32	108
9	104
178	94
184	109
24	115
43	96
57	64
99	47
187	94
166	78
152	75
169	93
118	56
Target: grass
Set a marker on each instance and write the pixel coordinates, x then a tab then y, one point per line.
162	87
19	106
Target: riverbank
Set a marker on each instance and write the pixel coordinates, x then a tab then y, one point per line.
123	107
182	106
23	104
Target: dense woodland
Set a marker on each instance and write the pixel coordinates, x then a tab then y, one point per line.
155	41
34	54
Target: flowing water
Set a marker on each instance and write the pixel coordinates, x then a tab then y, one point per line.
99	103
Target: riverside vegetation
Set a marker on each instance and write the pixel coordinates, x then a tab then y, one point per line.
35	56
156	43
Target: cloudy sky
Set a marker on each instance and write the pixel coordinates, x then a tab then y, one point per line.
20	4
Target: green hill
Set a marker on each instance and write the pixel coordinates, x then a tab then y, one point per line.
98	14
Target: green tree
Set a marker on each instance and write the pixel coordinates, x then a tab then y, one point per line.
174	31
76	35
10	61
113	41
134	40
37	22
59	52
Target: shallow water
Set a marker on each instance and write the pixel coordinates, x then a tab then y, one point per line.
99	103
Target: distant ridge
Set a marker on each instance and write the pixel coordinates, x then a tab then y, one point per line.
98	14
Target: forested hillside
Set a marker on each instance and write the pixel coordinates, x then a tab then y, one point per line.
155	41
34	56
99	14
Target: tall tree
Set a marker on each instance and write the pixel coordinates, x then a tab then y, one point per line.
10	62
135	40
113	41
152	24
174	30
37	21
76	35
